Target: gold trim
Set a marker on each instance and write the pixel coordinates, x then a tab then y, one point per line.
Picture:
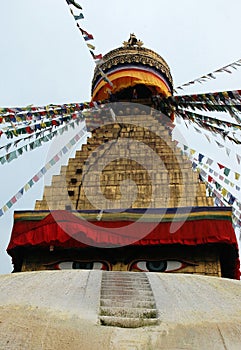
134	55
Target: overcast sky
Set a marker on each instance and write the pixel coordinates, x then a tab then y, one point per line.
44	59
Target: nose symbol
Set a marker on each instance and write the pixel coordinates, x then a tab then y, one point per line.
119	267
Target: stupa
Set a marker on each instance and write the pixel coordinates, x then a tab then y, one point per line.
129	199
128	222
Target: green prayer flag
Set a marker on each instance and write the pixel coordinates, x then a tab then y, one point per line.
226	171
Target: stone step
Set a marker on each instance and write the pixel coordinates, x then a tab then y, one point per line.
128	312
133	304
117	299
126	322
121	292
128	284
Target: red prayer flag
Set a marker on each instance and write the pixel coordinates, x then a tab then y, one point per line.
210	179
221	166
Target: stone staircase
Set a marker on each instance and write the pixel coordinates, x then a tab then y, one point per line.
127	300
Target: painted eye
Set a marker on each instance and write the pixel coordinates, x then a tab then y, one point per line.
81	265
158	266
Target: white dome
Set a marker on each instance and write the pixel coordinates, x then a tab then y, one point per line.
61	310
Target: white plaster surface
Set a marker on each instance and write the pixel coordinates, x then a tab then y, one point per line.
59	310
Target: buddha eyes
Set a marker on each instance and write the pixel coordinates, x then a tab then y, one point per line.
158	266
80	265
138	266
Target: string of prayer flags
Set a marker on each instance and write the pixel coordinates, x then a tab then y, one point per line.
223	197
25	114
43	171
105	78
226	171
212	121
221	193
212	75
225	101
11	131
7	158
219	97
86	36
226	129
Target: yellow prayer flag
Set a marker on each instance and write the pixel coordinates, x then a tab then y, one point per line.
237	176
90	46
224	192
5	208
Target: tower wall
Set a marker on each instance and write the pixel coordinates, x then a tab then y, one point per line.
126	151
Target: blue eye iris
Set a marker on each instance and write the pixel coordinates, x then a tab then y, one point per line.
82	265
156	266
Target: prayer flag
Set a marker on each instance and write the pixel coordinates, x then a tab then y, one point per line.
31	183
231	199
5	208
11	156
2	160
65	150
210	178
228	150
80	16
43	170
221	166
72	2
85	34
238	158
237	176
200	157
90	46
207	137
219	144
226	171
96	57
19	194
13	200
9	204
224	192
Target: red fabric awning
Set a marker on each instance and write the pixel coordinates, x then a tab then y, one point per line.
64	229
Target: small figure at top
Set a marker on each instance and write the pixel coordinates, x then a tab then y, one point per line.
132	41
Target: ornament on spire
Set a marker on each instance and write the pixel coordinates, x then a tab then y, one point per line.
132	41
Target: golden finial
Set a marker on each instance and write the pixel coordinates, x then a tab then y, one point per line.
132	41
